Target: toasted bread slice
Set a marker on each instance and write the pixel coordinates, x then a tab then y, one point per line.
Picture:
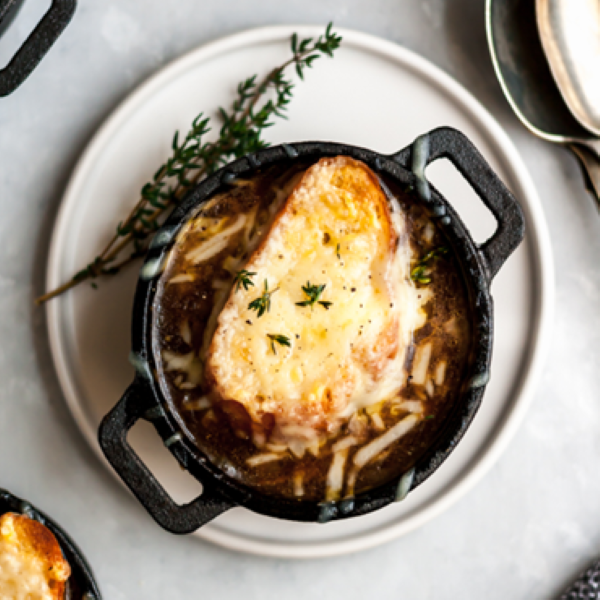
32	566
300	369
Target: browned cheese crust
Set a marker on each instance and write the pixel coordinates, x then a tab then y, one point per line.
36	547
337	199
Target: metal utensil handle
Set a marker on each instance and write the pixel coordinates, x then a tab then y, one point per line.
587	586
8	11
173	517
589	160
449	143
36	45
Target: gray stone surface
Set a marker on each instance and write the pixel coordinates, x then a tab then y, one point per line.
525	530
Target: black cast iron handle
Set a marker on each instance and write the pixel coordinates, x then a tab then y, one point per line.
36	45
449	143
112	436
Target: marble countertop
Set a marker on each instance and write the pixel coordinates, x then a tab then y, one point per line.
523	532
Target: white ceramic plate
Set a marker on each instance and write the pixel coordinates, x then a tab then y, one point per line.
374	94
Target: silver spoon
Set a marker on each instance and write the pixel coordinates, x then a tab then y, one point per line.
570	35
529	87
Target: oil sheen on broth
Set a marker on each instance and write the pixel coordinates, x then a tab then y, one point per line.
298	390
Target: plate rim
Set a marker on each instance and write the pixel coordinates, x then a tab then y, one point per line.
537	237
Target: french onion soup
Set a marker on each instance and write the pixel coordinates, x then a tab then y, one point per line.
311	330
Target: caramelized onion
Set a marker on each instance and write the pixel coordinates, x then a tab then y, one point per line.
182	278
200	404
335	475
216	244
372	449
261	459
298	483
344	443
440	373
421	364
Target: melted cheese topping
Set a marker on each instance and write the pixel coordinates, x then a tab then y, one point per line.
25	574
334	230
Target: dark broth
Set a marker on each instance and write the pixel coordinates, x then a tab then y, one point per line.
182	311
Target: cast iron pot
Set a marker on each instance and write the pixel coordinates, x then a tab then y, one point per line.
36	45
81	585
144	399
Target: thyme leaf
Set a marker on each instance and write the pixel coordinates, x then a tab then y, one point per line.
242	278
262	304
421	271
282	340
314	293
258	103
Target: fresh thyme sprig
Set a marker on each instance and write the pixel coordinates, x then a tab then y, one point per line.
242	278
193	158
282	340
314	293
420	272
262	304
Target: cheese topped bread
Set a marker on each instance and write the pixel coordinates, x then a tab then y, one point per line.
323	331
32	566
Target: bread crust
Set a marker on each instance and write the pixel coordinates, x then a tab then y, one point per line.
338	162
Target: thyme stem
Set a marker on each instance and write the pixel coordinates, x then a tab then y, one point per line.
240	134
421	271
